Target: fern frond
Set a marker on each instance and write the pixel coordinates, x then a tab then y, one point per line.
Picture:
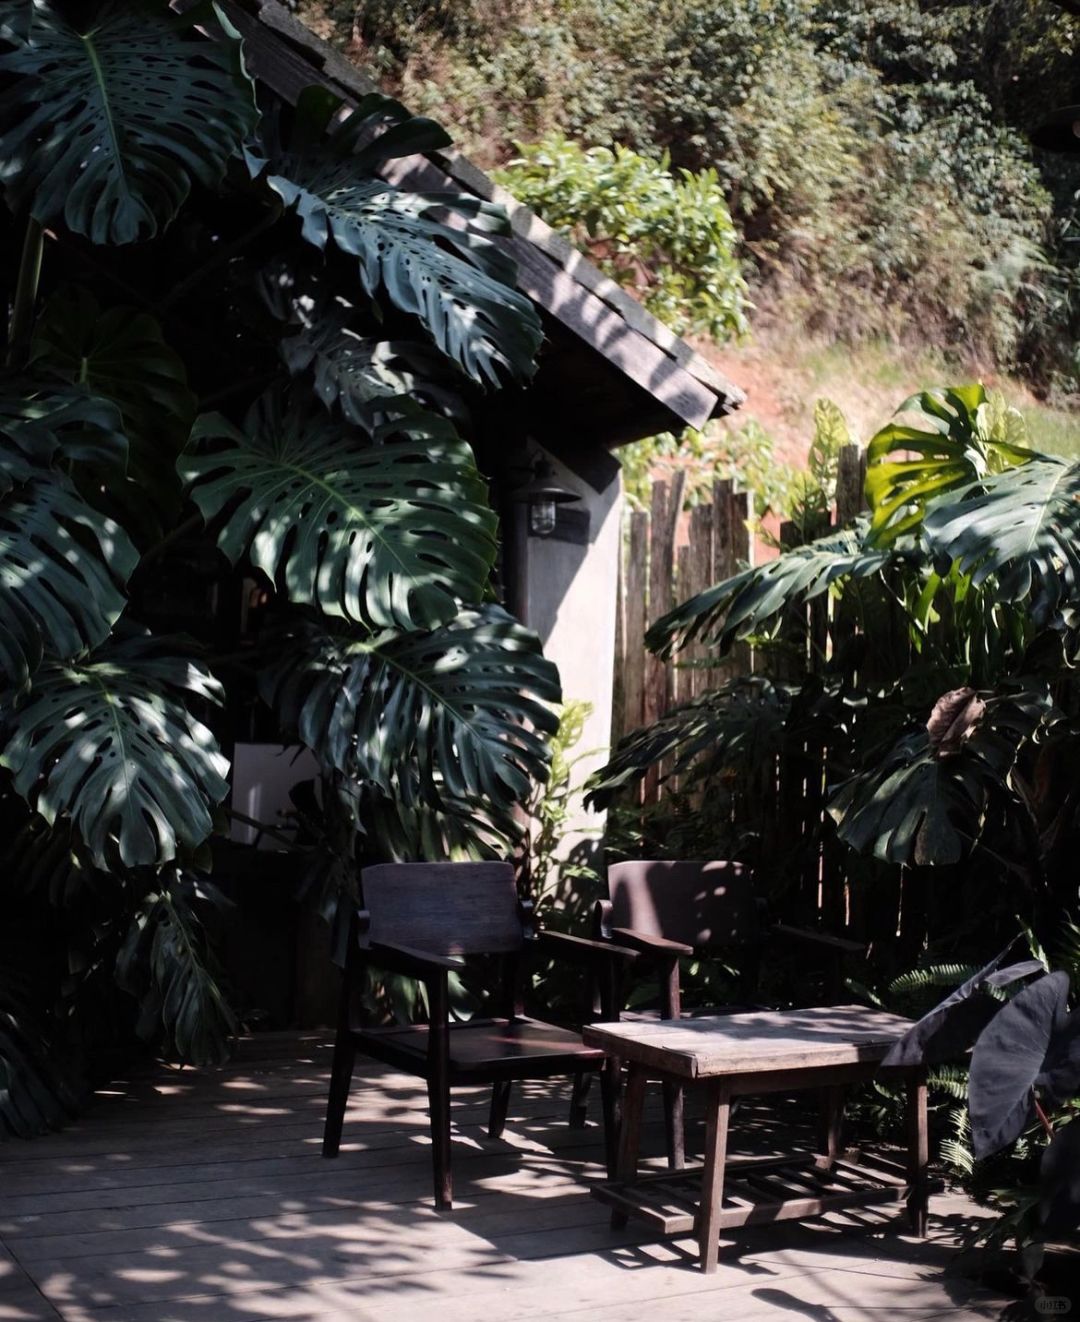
934	975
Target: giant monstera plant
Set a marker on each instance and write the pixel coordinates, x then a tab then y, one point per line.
944	694
234	344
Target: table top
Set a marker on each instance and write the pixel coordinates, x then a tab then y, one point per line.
709	1046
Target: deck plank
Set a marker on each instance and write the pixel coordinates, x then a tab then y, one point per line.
202	1197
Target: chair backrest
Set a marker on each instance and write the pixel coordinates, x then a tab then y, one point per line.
700	904
444	908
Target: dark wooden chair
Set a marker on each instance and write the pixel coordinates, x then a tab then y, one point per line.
421	919
666	910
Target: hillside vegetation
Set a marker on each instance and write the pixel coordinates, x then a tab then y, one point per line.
873	154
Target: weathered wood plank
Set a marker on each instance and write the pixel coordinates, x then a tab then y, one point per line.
765	1041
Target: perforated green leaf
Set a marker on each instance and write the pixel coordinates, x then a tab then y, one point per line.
388	535
120	354
373	380
456	714
106	124
41	421
1023	528
452	276
110	743
966	436
739	724
750	601
63	566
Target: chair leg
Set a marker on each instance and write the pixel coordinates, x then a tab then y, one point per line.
675	1125
500	1102
610	1074
579	1099
340	1081
439	1104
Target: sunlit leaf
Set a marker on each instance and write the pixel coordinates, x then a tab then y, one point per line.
388	535
110	743
108	120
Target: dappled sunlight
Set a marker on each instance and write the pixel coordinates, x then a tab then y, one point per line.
169	1204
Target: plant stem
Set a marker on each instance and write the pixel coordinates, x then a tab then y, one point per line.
261	827
26	289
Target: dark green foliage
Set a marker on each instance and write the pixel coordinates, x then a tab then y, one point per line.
167	964
456	280
226	407
455	715
120	354
390	535
1020	527
110	745
748	603
941	709
65	563
108	125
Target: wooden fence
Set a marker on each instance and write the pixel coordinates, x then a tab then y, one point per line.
669	555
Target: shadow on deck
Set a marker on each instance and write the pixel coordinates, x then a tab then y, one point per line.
202	1195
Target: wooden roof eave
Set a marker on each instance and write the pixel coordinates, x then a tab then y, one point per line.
287	57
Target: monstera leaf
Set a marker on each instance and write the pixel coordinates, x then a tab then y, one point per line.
107	124
1022	527
42	421
388	535
167	962
452	276
120	354
924	799
373	381
740	723
62	570
458	714
970	436
110	743
747	603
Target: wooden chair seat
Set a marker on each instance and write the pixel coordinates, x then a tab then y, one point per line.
511	1048
422	921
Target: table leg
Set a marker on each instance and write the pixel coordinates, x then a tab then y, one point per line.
832	1117
918	1152
718	1107
629	1134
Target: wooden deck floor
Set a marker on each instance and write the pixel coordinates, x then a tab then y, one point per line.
200	1196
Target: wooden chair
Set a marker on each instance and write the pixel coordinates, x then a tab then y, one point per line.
420	919
666	910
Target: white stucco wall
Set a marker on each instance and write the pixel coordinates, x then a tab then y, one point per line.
571	601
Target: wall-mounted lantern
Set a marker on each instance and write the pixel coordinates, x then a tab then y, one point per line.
544	496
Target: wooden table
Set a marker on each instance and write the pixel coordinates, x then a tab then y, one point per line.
765	1051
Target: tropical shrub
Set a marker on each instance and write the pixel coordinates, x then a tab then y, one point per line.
236	385
944	696
667	236
872	155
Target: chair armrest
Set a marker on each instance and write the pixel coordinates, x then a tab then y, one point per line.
413	963
648	944
580	949
837	944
